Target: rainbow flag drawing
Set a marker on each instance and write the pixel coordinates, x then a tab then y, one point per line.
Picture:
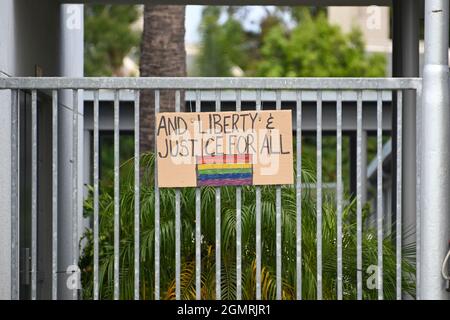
224	170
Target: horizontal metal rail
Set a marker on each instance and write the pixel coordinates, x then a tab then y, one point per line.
213	83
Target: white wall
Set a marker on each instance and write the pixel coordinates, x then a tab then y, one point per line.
29	36
373	21
7	48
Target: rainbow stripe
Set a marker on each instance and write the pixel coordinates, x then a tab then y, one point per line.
224	166
224	170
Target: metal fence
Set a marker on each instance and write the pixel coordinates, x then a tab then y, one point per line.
294	87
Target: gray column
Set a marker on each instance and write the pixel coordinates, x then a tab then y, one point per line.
410	61
71	65
8	290
406	64
435	165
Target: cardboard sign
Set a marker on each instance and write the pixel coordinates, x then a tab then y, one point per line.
224	148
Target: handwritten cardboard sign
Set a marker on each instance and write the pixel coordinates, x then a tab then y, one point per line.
224	148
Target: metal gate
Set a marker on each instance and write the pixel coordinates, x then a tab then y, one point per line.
384	91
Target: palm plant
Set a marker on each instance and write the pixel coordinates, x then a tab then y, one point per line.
228	243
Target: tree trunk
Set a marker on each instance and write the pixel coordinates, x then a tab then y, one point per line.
162	55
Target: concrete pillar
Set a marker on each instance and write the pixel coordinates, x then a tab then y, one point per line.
71	65
6	68
435	165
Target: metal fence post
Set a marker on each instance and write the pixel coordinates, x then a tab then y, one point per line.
435	172
6	193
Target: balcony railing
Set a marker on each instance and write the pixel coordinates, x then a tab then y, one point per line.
377	96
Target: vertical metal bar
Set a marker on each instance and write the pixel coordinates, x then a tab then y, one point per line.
15	195
137	198
319	195
359	177
380	192
116	197
177	244
238	245
96	195
218	225
258	221
75	160
399	196
198	257
238	224
339	193
33	193
418	182
177	221
198	229
298	187
54	194
157	210
278	218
